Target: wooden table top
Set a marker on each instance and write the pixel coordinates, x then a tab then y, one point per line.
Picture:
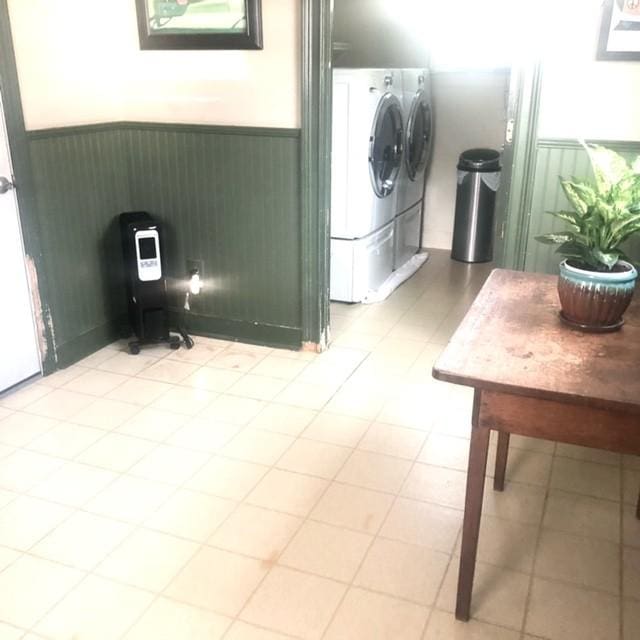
512	340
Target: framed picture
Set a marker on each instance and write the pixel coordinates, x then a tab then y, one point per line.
199	24
620	31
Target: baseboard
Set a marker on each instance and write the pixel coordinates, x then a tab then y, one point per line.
243	331
84	345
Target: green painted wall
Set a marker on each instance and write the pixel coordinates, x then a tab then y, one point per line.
80	185
564	158
227	196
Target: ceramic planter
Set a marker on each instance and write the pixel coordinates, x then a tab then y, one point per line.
594	300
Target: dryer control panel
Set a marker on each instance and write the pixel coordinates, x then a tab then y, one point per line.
148	255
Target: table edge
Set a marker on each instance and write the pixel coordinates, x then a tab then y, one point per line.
540	394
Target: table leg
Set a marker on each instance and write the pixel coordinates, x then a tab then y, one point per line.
501	460
471	524
638	508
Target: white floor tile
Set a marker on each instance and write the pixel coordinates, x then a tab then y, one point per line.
31	586
364	615
147	559
217	580
88	611
294	603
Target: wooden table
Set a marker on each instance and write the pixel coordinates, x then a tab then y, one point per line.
536	377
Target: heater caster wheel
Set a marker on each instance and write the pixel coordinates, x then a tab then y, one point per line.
134	349
188	342
174	343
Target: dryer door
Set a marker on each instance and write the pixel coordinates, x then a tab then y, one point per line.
418	137
385	145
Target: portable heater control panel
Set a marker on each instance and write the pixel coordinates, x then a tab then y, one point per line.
148	255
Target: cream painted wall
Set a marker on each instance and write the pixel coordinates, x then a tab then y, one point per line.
67	61
582	97
79	63
470	111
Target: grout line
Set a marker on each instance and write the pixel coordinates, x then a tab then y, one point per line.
621	612
141	525
536	548
304	520
135	526
374	537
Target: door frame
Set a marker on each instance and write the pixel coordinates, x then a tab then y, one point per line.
513	205
25	192
317	18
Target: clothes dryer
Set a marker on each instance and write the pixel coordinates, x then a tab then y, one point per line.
366	159
418	118
366	154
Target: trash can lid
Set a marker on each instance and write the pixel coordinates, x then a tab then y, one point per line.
484	160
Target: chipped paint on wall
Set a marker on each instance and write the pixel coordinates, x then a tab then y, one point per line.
41	313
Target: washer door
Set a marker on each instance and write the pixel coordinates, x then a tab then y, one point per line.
418	138
385	145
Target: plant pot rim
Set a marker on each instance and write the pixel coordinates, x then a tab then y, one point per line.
630	272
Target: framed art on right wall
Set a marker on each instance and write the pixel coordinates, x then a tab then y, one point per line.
620	30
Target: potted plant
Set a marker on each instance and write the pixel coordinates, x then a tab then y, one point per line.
597	279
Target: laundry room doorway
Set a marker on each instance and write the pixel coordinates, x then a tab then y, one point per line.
323	46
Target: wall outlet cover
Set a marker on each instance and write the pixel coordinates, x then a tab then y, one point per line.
195	265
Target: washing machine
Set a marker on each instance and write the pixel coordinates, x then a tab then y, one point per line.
366	159
366	150
418	118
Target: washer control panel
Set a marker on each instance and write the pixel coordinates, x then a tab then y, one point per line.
148	255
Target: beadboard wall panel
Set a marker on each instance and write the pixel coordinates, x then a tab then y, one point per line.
564	158
229	196
231	199
80	184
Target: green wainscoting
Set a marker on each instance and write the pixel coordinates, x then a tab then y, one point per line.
229	196
232	199
80	186
564	158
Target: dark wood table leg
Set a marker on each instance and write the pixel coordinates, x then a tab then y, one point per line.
472	511
502	453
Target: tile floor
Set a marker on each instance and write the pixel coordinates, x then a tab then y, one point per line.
248	493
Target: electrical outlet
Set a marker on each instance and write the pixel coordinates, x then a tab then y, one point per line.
196	265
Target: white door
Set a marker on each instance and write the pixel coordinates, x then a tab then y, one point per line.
19	356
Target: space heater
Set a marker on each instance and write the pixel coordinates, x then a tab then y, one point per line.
146	283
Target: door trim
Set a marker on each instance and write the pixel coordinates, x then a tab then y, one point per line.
518	197
316	170
25	192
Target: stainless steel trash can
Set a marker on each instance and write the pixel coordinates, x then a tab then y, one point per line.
478	181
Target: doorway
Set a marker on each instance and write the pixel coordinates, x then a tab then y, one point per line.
316	164
20	354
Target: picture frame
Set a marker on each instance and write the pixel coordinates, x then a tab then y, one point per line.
619	31
199	24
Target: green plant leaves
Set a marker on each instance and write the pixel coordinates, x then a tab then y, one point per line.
606	211
609	168
580	195
607	259
554	238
